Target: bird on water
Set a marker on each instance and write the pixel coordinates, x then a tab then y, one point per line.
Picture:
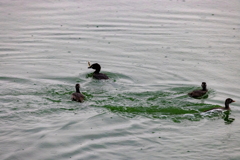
78	96
199	93
227	102
96	73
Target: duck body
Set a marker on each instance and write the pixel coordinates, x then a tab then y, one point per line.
226	108
77	96
199	93
96	73
100	76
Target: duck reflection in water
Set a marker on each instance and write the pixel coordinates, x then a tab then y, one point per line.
226	118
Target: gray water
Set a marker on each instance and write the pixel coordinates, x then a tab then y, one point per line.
154	52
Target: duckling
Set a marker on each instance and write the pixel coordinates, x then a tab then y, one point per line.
199	93
96	73
227	102
77	96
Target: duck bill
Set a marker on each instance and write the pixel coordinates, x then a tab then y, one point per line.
89	65
233	101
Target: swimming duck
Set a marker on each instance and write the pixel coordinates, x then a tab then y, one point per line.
77	96
199	93
96	73
227	102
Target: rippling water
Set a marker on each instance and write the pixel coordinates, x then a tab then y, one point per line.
154	52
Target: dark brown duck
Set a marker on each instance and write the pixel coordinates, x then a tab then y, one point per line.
77	96
199	93
96	73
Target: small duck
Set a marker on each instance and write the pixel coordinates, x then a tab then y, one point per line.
227	102
96	73
199	93
77	96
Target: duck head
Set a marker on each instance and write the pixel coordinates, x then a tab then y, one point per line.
204	86
95	66
77	86
227	102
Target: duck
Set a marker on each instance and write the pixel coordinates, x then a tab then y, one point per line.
96	73
226	108
78	96
199	93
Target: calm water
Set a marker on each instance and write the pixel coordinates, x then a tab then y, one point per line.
154	52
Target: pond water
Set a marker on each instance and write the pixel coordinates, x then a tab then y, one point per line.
155	52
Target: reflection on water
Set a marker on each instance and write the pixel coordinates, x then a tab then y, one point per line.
219	114
227	119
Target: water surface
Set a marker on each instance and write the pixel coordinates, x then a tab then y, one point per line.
154	52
